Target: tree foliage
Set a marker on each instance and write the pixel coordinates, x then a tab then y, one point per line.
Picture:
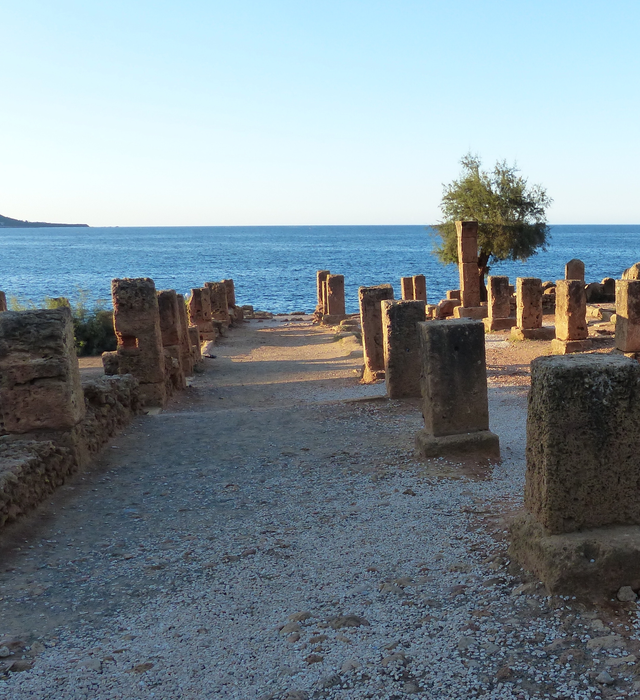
511	214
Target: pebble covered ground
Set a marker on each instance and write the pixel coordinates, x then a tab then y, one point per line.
315	559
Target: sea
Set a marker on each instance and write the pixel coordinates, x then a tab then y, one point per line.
274	267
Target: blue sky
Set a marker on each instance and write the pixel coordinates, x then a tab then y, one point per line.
346	112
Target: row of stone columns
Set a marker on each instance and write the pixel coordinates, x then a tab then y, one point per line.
330	292
414	288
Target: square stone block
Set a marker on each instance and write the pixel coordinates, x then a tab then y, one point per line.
477	312
571	310
628	315
567	347
479	445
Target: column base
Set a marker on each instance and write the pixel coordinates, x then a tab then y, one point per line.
480	445
592	564
566	347
369	376
498	324
544	333
333	319
477	312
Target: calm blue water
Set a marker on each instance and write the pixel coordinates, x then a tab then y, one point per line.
274	267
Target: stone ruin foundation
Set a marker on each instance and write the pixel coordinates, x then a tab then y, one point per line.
580	534
370	299
219	302
420	288
571	318
498	305
469	275
136	320
402	360
628	316
529	311
454	392
406	288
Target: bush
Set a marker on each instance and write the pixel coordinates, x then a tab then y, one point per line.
93	328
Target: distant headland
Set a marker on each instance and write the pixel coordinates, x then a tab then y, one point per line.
6	222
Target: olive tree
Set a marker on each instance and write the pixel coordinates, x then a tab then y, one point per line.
511	214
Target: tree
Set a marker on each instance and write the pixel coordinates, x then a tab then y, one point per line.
511	215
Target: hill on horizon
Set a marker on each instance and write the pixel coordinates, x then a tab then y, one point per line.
7	222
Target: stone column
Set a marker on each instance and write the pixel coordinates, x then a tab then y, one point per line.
170	332
454	392
372	336
137	325
200	313
3	302
219	302
231	292
583	442
574	270
335	295
529	311
628	315
406	288
571	318
469	273
40	387
402	360
498	304
187	356
420	288
321	280
194	338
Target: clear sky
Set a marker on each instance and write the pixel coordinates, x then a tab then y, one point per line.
253	112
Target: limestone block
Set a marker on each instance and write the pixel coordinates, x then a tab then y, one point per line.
111	363
406	287
591	564
583	441
39	376
481	445
335	294
199	306
453	294
628	315
454	381
231	292
567	347
175	379
321	278
528	302
542	333
632	273
420	288
574	270
477	312
169	317
609	288
571	310
187	357
136	362
498	324
370	299
402	361
194	339
219	302
453	377
3	302
467	232
469	284
446	308
498	297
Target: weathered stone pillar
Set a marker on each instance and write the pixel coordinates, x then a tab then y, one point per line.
529	311
369	299
200	313
454	392
628	315
194	338
219	302
420	288
186	352
574	270
498	304
402	360
335	295
583	442
231	292
3	302
571	318
406	288
321	281
40	385
137	325
170	332
469	273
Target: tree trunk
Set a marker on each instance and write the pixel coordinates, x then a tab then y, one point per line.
483	269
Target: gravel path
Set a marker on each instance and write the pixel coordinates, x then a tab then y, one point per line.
271	535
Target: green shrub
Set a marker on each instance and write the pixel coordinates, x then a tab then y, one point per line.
93	328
